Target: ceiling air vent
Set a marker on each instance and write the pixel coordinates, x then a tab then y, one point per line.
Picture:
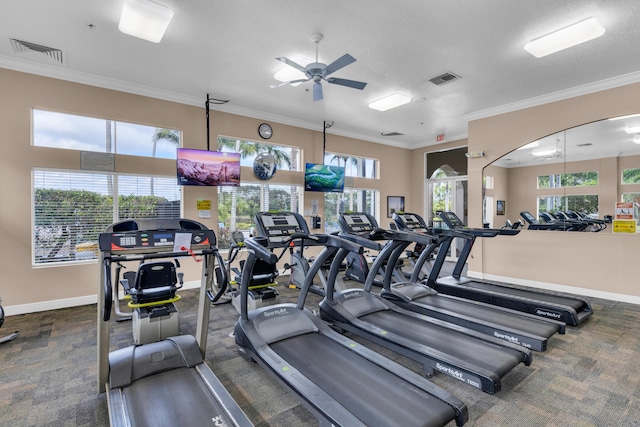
444	79
391	134
38	51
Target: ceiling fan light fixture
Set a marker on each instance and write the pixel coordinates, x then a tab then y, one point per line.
288	74
632	129
567	37
389	102
145	19
544	152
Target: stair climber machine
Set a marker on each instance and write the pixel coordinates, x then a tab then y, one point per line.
162	379
545	304
472	357
277	227
338	380
525	329
9	337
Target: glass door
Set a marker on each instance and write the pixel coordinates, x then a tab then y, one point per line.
447	195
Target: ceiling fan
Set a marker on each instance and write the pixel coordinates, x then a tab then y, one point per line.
318	71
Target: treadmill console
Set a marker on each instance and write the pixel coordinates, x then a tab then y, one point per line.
452	220
410	222
357	222
278	226
154	240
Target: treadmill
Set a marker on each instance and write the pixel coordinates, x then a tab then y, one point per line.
474	358
277	227
340	381
546	304
165	382
514	326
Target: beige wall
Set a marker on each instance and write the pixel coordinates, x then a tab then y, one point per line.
597	262
604	261
29	287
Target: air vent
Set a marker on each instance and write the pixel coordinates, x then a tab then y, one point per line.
444	79
586	144
38	51
391	134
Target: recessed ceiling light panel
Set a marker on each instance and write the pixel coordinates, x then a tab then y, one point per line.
388	102
145	19
632	129
572	35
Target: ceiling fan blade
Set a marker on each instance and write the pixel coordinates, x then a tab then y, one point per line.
291	63
349	83
339	63
317	91
289	83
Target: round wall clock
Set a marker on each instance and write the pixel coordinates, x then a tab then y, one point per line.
265	131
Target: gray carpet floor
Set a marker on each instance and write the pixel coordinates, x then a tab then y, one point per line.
588	377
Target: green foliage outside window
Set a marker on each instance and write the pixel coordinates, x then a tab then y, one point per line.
578	179
631	176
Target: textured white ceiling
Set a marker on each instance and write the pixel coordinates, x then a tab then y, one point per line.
228	49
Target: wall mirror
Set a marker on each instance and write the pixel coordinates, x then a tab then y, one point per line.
586	169
264	166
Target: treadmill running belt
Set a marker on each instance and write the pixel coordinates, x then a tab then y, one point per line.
494	358
177	397
524	324
371	393
556	299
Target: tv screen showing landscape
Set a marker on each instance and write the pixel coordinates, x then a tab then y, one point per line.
325	178
207	168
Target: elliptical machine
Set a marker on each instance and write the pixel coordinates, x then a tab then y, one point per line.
10	337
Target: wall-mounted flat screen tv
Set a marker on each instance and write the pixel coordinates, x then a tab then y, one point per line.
207	168
325	178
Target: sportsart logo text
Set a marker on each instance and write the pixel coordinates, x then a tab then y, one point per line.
547	313
353	294
278	312
509	338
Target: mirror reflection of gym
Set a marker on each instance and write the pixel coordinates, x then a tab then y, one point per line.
586	169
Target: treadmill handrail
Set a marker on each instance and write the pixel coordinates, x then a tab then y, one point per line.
256	246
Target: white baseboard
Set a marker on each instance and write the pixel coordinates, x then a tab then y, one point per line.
13	310
35	307
613	296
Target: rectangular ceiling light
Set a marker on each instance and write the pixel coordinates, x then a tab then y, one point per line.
389	102
573	35
632	129
145	19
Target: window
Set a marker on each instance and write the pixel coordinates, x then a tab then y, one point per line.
579	203
73	132
578	179
354	166
631	176
70	209
354	200
237	206
287	158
